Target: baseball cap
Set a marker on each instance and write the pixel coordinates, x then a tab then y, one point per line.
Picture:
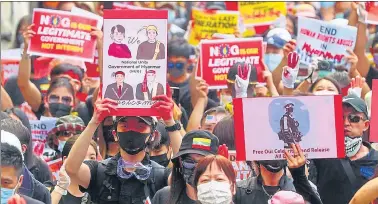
278	37
286	197
149	120
306	10
357	103
68	123
11	139
198	142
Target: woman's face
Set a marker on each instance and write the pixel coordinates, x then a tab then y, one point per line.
214	173
61	95
325	87
91	153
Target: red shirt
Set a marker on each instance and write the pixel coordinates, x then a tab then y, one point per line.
119	51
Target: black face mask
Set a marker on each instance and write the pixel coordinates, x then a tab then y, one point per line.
273	166
132	142
161	159
188	176
59	109
107	131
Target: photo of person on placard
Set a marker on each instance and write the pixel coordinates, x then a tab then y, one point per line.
117	48
119	90
152	49
289	133
149	87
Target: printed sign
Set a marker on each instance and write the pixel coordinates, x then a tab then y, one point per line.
374	112
278	122
93	70
242	169
206	23
323	39
54	166
10	61
39	130
135	59
261	13
61	34
89	14
372	15
217	56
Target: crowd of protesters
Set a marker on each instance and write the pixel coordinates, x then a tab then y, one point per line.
143	159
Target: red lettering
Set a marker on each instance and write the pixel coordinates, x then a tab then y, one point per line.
324	54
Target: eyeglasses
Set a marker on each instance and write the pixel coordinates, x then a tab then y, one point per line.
354	118
56	99
178	65
65	133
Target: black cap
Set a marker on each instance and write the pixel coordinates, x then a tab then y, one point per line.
198	142
357	103
147	119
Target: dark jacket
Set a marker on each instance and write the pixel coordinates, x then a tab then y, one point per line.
127	92
29	200
33	188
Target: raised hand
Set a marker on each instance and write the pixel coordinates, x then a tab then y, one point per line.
28	34
298	159
290	72
289	47
202	88
223	150
164	106
103	107
352	61
356	85
242	80
99	36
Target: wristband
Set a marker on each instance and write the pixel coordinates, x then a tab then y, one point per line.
173	128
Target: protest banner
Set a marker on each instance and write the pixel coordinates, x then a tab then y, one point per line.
324	39
10	61
218	56
242	169
264	127
374	112
206	23
62	34
372	15
54	166
134	5
88	14
261	13
93	70
39	131
135	59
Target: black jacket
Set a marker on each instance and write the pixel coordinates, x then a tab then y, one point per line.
33	188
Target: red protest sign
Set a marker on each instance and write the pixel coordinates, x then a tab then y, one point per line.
9	68
372	15
217	56
62	34
93	70
374	112
242	169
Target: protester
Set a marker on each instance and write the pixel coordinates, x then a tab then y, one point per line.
224	130
21	27
276	40
107	142
286	197
161	152
195	145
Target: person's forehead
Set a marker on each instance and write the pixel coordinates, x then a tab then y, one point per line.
178	59
325	83
213	169
130	119
349	109
119	75
8	172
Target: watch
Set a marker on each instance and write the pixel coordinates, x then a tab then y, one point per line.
176	126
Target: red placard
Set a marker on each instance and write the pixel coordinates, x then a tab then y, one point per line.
62	34
9	68
217	56
374	112
93	70
372	15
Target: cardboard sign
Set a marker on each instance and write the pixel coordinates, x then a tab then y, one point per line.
61	34
93	70
324	39
54	166
374	113
242	169
217	56
372	15
206	23
135	59
10	61
39	130
261	13
265	126
89	14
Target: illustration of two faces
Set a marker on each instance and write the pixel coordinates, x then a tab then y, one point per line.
151	49
123	91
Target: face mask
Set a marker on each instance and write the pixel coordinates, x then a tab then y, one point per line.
214	192
176	73
61	145
107	131
171	16
132	142
6	193
272	60
375	58
327	4
352	145
59	109
339	15
324	93
273	166
161	159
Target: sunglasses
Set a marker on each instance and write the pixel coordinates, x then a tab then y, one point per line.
65	133
56	99
178	65
354	118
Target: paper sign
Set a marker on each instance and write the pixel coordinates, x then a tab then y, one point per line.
93	70
374	112
217	56
10	61
206	23
324	39
88	14
372	15
261	13
265	126
54	166
39	131
61	34
135	59
242	169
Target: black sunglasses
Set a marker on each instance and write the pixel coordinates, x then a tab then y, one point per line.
65	133
178	65
354	118
55	99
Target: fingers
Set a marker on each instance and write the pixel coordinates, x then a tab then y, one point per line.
289	158
109	101
353	83
300	152
161	98
249	69
169	91
294	150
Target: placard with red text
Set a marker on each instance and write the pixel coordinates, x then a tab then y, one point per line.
242	169
264	127
374	112
61	34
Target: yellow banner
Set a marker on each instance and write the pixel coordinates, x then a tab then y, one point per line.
205	24
261	12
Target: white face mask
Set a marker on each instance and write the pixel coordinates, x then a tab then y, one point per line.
61	145
324	93
214	192
352	145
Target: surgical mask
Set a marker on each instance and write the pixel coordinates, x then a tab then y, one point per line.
6	194
327	4
272	60
61	145
161	159
171	16
273	166
214	192
132	142
339	15
59	109
352	145
375	59
324	93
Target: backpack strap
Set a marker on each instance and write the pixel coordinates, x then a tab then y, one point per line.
349	172
84	199
156	180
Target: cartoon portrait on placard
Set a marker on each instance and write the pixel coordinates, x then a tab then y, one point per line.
149	87
119	90
289	118
151	49
117	48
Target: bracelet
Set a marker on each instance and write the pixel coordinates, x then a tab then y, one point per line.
60	190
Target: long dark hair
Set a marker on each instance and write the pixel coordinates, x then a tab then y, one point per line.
178	185
334	82
24	20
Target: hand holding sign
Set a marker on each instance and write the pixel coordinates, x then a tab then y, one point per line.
164	106
290	72
298	159
28	34
16	199
242	80
102	108
202	89
99	36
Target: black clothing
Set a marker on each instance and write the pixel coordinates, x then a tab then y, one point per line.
162	197
372	74
303	186
40	170
71	199
333	182
29	200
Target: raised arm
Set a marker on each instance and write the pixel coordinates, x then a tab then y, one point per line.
28	90
199	108
6	101
367	193
100	44
269	80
